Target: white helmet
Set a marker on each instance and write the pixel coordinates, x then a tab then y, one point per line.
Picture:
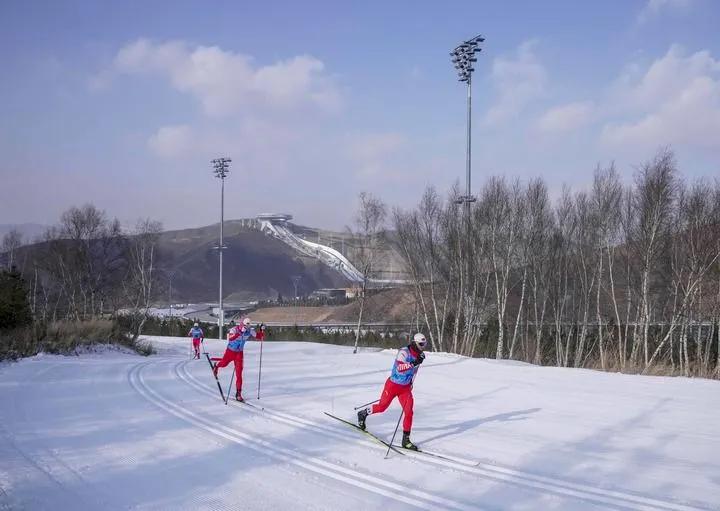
246	321
420	341
195	324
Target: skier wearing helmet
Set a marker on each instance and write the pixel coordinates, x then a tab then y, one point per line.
237	336
197	337
399	385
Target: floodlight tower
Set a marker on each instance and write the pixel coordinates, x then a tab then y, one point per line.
296	280
463	57
221	170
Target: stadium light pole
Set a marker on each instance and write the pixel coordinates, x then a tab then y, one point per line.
221	170
296	281
171	275
463	57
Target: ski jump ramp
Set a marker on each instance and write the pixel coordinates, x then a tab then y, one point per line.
276	225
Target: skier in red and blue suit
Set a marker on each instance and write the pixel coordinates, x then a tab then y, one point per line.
197	337
237	336
399	385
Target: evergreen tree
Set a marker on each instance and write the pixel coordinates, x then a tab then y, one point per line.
14	304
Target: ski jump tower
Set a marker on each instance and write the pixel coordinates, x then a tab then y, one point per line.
276	225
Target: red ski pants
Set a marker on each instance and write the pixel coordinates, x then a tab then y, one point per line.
196	345
237	357
404	395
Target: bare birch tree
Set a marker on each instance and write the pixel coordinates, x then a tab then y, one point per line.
12	240
370	234
141	281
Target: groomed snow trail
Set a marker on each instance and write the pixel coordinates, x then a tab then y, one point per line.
115	431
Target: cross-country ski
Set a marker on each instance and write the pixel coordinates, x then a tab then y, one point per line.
365	431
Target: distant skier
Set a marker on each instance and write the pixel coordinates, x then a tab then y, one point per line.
197	337
399	385
237	336
260	332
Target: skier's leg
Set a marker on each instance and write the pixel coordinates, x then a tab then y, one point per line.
385	399
407	402
388	394
228	356
238	374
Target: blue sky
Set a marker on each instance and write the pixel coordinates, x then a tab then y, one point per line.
123	104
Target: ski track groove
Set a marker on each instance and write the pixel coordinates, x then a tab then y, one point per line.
49	464
183	374
341	473
545	484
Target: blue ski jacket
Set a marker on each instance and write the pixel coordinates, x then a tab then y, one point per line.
238	336
403	369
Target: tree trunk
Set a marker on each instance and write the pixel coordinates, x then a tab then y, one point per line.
517	318
360	315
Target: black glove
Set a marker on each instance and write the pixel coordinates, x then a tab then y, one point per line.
419	360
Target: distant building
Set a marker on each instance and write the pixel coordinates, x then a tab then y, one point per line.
233	311
319	294
351	292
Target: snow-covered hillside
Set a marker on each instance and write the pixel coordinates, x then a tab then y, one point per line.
118	431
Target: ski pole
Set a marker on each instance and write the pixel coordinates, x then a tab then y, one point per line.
395	433
399	418
232	377
366	404
260	370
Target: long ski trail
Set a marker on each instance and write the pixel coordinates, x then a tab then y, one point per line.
490	471
245	403
374	483
376	438
425	453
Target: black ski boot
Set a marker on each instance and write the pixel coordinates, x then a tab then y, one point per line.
238	396
362	415
406	443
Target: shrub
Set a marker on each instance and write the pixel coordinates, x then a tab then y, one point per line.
65	337
345	338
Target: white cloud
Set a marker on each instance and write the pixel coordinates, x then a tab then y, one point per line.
375	153
225	82
519	80
666	78
375	145
676	101
267	117
564	118
172	141
654	8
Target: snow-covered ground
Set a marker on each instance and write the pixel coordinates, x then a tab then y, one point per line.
119	431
